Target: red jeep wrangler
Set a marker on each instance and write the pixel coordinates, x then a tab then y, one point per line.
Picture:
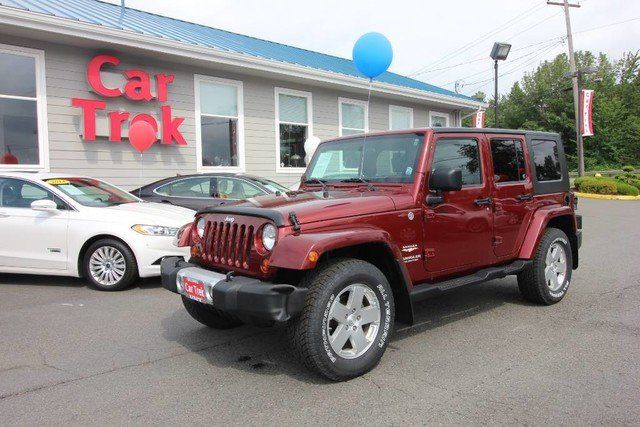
383	220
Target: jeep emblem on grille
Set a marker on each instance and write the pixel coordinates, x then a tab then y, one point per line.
229	219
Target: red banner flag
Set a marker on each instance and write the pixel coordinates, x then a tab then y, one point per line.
586	112
478	119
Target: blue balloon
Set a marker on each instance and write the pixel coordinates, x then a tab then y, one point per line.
372	54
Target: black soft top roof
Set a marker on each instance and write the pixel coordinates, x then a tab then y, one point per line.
493	130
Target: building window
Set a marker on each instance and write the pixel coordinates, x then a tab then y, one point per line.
545	159
400	117
437	120
353	116
23	124
219	124
293	127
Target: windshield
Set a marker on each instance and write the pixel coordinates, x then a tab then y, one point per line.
91	192
387	158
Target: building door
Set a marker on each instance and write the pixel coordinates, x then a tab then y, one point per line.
512	194
458	232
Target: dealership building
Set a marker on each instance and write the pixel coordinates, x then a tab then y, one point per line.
76	73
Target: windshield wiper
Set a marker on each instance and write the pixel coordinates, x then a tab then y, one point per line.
370	186
325	191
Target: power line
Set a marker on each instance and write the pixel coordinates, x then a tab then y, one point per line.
606	25
526	55
513	36
518	68
465	47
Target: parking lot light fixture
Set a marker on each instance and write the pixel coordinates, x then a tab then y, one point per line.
499	52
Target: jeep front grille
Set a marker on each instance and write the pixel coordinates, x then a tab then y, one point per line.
227	243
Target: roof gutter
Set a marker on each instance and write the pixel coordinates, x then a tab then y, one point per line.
54	24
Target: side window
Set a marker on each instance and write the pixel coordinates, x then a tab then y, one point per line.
463	154
231	188
189	187
16	193
508	160
546	161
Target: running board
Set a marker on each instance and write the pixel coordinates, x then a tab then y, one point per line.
426	290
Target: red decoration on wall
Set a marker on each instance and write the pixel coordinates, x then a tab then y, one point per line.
142	135
89	107
93	75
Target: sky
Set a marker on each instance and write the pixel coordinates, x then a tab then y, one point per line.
439	42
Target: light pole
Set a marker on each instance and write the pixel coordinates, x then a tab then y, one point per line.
579	140
499	52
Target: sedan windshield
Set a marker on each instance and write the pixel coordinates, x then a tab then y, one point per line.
387	158
91	192
272	185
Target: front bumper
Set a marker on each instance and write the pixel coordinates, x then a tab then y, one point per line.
243	296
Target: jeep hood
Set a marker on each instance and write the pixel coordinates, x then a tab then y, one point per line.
310	206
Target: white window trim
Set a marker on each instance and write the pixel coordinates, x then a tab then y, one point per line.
197	79
41	107
439	114
309	124
353	102
403	110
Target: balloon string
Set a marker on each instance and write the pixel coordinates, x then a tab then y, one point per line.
364	141
141	169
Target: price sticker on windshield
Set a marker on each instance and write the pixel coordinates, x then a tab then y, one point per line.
57	181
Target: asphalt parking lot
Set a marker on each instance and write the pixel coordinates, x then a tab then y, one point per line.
73	355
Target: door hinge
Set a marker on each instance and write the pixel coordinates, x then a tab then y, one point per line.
497	240
429	253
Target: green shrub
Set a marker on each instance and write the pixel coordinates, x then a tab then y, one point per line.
628	168
626	189
629	178
589	184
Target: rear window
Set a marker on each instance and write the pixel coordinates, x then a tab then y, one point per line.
546	160
508	160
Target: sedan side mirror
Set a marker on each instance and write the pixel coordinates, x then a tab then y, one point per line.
445	180
44	205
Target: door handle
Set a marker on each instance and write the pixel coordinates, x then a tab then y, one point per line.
482	202
4	215
524	197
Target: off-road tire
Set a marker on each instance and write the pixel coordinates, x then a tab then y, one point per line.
307	333
532	282
210	316
131	266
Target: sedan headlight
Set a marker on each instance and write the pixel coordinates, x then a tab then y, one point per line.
200	227
155	230
268	236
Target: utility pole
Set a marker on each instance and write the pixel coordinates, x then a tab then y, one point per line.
576	94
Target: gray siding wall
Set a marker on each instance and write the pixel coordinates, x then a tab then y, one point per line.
120	164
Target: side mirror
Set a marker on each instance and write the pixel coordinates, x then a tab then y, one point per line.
445	180
44	205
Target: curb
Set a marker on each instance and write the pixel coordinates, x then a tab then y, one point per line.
606	196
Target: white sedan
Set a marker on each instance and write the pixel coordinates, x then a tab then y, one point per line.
83	227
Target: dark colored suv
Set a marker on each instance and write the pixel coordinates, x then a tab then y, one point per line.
382	221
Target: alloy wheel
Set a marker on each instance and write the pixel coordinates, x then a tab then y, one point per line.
354	320
107	265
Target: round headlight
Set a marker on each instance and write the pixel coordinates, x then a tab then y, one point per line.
200	227
268	236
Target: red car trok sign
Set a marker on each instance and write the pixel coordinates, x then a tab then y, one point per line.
137	88
586	111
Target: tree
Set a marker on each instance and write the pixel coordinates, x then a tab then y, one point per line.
542	100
